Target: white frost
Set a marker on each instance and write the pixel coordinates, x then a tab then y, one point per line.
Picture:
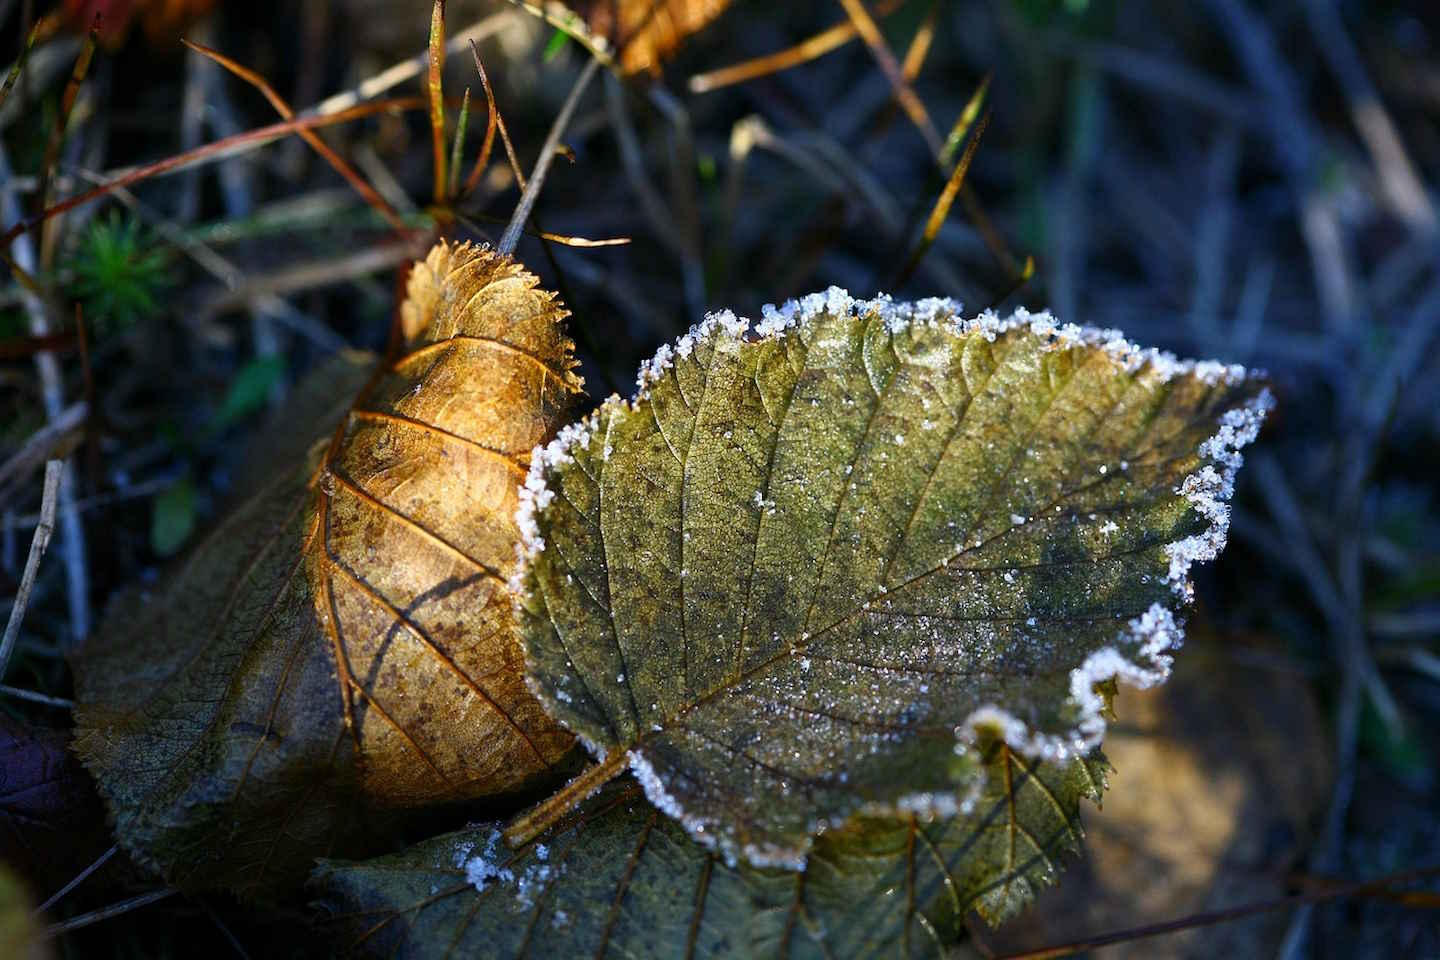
1141	653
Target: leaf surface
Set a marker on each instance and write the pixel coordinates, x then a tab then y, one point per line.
51	820
793	578
619	878
344	642
645	32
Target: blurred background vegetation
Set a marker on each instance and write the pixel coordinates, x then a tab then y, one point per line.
1252	180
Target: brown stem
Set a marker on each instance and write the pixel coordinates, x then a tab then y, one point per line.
548	812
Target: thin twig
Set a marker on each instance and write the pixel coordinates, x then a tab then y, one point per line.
511	236
39	542
34	696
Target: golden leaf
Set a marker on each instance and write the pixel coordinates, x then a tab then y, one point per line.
344	642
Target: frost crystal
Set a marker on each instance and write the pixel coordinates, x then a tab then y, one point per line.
1140	653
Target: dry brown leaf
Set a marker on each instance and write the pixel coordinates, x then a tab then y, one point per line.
645	32
343	643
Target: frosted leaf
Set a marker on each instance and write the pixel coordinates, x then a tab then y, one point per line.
1054	485
622	879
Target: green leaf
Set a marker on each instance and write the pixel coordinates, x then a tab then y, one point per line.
249	391
795	577
172	519
620	878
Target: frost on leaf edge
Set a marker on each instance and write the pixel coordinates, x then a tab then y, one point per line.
1142	654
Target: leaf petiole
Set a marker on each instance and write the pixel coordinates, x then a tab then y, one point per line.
548	812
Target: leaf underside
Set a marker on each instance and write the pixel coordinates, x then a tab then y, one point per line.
797	573
344	642
619	878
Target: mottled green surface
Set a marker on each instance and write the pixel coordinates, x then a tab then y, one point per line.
621	879
787	575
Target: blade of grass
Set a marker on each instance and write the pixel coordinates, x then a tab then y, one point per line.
492	120
457	149
904	93
19	63
942	206
511	236
341	166
435	85
67	103
500	125
210	150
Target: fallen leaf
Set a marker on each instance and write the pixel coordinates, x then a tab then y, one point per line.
51	821
793	578
645	32
343	643
1220	781
619	878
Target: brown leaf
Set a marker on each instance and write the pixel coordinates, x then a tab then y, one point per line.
51	821
645	32
343	643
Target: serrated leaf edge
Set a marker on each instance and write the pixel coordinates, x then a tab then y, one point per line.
1141	655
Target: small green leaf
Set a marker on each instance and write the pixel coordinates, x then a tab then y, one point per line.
172	519
618	878
796	576
249	391
558	40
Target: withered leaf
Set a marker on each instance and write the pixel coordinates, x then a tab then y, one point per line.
51	821
343	642
619	878
793	578
645	32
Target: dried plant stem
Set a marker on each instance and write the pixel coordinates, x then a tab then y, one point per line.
222	147
52	388
548	812
511	236
78	879
904	93
1380	887
817	46
105	913
351	175
38	544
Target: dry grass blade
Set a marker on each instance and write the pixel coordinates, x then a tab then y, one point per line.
351	175
942	206
563	239
505	140
809	49
904	93
492	122
67	103
457	148
435	88
54	441
38	544
19	66
107	913
209	150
